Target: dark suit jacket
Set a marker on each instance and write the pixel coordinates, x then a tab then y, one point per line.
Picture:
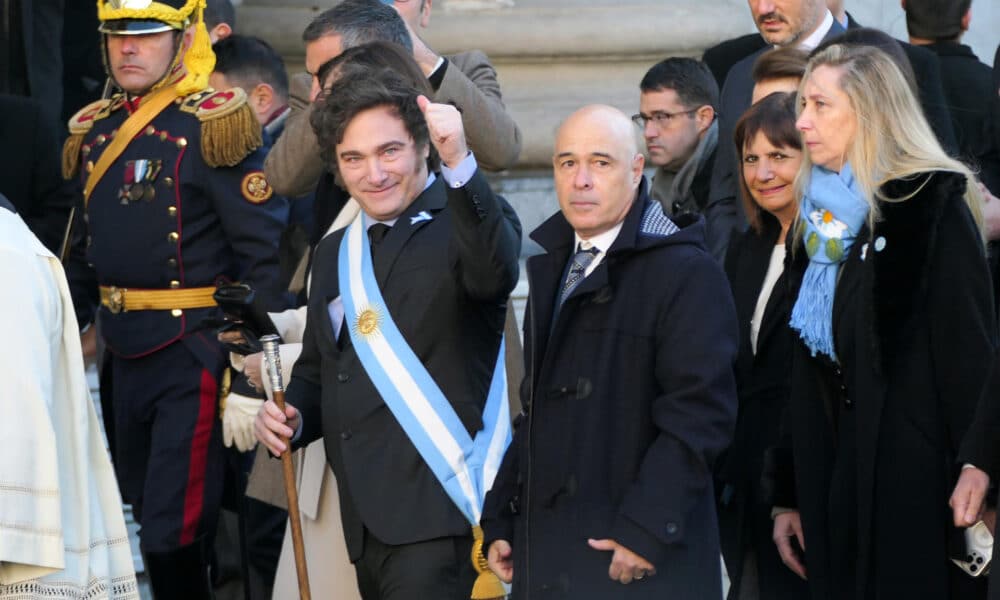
969	92
445	282
722	56
30	174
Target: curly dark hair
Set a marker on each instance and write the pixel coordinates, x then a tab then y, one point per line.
357	90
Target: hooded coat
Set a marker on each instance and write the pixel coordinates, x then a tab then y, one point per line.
630	397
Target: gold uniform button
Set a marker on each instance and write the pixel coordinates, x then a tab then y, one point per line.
168	181
172	211
100	139
85	150
176	312
150	130
182	142
90	166
173	237
172	263
163	136
175	284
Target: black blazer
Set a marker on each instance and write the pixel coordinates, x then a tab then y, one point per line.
969	92
761	378
446	282
722	56
762	383
30	171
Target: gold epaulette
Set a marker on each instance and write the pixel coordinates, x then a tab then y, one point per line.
229	128
79	125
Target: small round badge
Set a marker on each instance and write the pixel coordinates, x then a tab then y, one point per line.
255	188
879	244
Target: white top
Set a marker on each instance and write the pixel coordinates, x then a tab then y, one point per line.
774	270
601	241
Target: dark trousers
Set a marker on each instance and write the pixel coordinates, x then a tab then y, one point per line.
438	569
168	450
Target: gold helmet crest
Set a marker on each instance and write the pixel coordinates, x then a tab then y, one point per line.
137	17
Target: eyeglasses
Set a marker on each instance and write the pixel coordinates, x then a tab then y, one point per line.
661	119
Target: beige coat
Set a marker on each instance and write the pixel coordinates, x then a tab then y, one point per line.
62	532
293	165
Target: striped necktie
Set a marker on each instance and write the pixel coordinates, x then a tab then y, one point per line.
577	270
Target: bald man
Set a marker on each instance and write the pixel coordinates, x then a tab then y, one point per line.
630	338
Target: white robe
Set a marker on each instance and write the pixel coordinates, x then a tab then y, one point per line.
62	532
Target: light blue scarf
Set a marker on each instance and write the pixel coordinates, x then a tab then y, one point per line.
833	212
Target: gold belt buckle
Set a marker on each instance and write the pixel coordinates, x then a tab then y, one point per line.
116	299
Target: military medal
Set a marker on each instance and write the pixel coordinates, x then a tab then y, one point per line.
139	178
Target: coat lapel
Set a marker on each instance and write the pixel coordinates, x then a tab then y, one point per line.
422	211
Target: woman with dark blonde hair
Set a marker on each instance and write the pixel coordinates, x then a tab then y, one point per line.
770	153
895	332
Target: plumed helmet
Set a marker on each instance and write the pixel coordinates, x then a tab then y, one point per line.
138	17
134	17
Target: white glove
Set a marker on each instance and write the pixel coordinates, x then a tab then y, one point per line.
237	422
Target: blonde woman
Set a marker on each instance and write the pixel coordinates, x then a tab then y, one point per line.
894	330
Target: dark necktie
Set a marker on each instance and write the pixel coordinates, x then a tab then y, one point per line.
377	233
577	270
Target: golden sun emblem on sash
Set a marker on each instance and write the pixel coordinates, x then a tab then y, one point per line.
367	322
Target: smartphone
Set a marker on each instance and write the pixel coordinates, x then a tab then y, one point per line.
978	551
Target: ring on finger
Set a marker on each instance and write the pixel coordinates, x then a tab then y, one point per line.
640	575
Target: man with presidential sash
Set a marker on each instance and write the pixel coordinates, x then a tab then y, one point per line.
174	204
398	371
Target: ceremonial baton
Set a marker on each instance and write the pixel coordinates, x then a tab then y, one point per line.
273	363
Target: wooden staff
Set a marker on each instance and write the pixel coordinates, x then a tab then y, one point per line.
273	362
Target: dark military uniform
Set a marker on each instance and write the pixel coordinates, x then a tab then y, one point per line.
162	219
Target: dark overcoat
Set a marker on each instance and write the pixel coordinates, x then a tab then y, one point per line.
916	338
631	397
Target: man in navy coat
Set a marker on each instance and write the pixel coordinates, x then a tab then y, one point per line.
630	338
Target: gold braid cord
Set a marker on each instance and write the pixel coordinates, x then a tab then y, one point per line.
79	125
229	128
71	155
487	586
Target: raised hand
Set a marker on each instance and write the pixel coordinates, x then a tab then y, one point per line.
444	123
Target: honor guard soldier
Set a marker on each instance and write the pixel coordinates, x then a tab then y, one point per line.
175	204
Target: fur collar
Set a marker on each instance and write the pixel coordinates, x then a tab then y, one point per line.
899	250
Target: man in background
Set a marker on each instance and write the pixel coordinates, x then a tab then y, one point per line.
938	25
677	108
466	80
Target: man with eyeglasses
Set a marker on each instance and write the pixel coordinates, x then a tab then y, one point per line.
677	109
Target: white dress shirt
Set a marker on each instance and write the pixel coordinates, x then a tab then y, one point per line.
601	241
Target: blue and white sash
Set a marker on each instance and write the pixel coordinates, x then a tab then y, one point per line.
465	466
